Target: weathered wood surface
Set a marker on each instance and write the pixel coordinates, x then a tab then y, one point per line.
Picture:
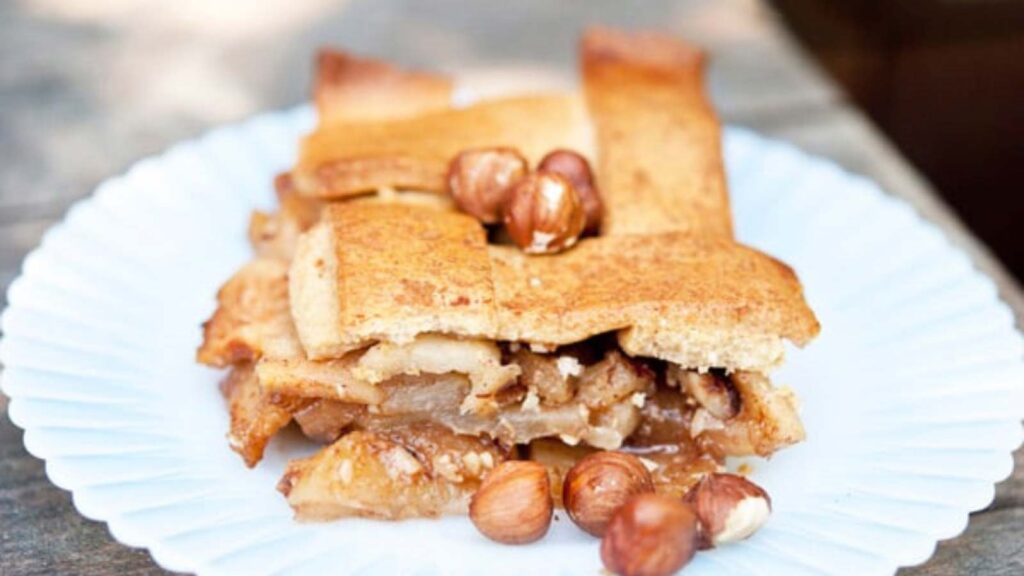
88	87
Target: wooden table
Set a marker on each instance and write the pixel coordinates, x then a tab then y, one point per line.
88	87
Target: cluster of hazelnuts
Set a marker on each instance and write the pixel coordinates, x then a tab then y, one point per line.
611	495
544	211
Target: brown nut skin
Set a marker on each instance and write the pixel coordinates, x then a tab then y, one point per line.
599	484
729	507
543	214
480	180
652	535
513	504
577	170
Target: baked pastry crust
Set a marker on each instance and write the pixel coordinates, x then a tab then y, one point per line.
379	272
659	160
386	325
348	158
350	88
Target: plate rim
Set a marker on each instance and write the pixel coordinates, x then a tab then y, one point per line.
167	558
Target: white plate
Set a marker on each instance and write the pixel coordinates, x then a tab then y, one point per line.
912	396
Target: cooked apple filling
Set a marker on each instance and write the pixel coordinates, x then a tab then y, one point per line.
557	395
379	318
582	397
598	405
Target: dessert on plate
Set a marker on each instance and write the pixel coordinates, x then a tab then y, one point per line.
538	277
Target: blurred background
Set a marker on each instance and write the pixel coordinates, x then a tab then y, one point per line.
88	86
944	79
101	83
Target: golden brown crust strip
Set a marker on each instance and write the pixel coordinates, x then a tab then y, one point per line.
373	271
363	89
414	152
699	302
402	271
430	269
252	318
274	234
366	174
659	151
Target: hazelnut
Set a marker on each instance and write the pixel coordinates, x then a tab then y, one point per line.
513	504
480	180
543	214
651	535
729	507
714	392
600	484
577	170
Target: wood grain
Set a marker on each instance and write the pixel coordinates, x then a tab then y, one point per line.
40	532
64	127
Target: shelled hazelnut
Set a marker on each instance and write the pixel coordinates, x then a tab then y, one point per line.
480	180
730	508
599	484
577	170
543	214
651	535
513	504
